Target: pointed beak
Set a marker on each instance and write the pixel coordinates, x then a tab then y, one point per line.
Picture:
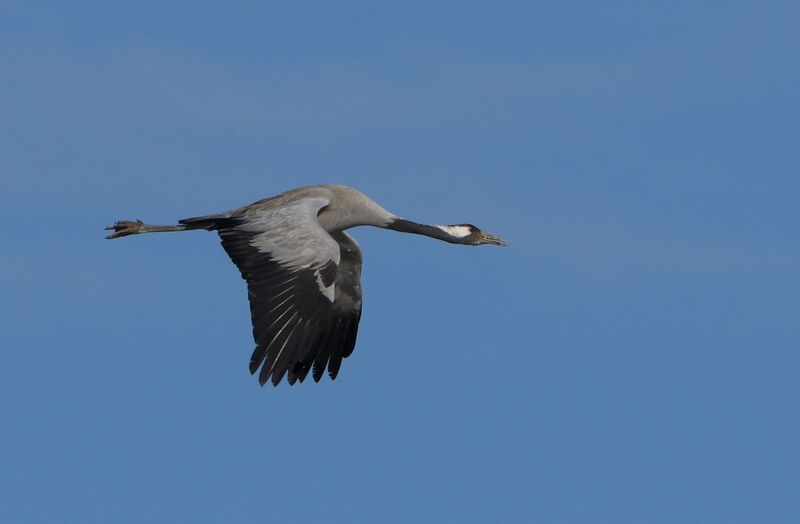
486	238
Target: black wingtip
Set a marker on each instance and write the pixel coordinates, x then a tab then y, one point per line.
256	359
276	378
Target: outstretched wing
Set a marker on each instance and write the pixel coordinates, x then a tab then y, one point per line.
290	264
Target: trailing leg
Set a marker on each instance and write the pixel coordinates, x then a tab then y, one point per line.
123	228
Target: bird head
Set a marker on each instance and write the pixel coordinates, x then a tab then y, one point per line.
471	235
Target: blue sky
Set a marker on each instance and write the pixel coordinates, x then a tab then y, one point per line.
632	357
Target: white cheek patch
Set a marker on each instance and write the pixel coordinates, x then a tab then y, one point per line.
456	231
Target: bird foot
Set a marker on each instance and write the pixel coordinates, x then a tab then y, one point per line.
123	228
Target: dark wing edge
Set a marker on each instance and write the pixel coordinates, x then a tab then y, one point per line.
339	338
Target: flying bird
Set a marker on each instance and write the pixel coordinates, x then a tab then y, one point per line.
303	271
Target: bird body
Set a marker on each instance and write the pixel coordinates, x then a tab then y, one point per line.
303	271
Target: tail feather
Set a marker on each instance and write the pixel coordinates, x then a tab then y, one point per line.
209	222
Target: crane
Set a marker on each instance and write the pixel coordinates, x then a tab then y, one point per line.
303	271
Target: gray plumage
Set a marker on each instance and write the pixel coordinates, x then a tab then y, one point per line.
303	272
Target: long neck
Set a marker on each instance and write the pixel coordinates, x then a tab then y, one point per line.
407	226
